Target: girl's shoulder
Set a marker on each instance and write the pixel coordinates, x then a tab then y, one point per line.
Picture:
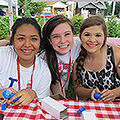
6	49
8	52
116	51
76	41
41	60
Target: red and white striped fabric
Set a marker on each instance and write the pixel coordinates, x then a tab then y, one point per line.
107	110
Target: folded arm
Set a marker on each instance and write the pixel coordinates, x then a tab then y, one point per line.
4	42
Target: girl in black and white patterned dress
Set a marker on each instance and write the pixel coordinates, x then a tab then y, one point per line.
96	69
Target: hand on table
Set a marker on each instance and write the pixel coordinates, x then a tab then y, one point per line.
96	90
108	95
13	90
5	92
27	95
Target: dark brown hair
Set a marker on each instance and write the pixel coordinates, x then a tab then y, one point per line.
47	47
91	21
21	21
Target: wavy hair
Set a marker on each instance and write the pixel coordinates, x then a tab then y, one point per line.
91	21
47	47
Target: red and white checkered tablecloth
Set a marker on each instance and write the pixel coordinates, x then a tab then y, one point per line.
107	110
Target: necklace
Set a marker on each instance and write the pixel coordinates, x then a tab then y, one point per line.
18	70
68	73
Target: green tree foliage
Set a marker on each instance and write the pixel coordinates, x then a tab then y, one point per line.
41	21
117	8
112	25
77	20
5	27
108	10
33	7
27	14
21	3
113	28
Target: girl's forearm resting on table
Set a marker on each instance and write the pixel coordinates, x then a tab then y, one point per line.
83	92
116	91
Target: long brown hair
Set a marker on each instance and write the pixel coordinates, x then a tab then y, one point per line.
91	21
47	47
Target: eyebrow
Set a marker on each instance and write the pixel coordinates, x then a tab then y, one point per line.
95	33
20	35
99	33
30	36
34	35
58	33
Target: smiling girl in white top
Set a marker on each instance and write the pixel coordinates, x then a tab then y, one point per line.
20	61
61	50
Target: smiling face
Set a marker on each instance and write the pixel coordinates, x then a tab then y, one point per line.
26	43
92	38
61	38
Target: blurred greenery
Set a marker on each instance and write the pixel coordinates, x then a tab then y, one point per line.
70	93
33	7
27	14
41	21
113	28
77	20
112	25
5	27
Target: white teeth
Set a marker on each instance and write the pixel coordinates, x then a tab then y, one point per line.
26	51
63	46
91	45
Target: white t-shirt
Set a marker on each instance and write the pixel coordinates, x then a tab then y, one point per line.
8	68
63	60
